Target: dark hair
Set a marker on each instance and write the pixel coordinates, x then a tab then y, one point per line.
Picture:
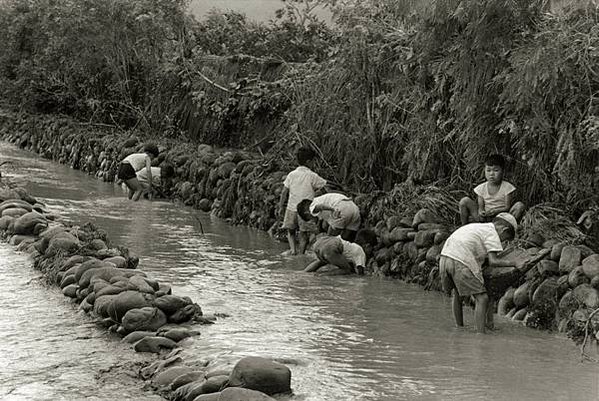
495	160
152	149
167	171
366	236
303	209
305	154
510	229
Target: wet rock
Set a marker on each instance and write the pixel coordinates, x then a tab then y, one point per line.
138	283
383	256
110	290
143	319
242	394
399	234
67	280
133	300
17	239
521	298
423	216
26	223
432	255
186	314
411	250
585	251
519	315
548	267
14	212
186	378
590	266
205	205
105	273
556	251
595	282
570	259
546	292
63	242
208	397
164	289
208	386
431	227
5	222
97	244
441	237
70	290
154	344
103	305
88	265
14	204
170	304
261	374
118	261
506	302
166	377
587	295
218	371
425	239
135	336
393	222
176	334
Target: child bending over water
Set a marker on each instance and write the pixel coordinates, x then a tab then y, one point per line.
133	163
493	196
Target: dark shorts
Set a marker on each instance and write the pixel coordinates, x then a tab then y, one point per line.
126	172
454	273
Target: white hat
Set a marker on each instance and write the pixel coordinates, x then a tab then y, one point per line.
508	218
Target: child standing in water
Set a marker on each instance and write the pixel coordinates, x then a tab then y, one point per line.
132	164
301	183
493	196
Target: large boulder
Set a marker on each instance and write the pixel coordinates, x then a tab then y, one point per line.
143	319
242	394
570	259
261	374
590	266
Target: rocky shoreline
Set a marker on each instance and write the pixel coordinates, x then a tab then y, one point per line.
105	282
560	292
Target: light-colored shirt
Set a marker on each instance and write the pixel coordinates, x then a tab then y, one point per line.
470	245
302	184
142	176
330	200
137	160
351	251
498	200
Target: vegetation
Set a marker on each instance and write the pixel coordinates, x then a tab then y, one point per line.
395	92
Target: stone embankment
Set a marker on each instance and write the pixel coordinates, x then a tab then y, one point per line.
105	282
559	292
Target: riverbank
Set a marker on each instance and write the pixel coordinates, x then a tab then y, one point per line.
559	293
105	283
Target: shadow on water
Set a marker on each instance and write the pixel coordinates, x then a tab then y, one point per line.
347	338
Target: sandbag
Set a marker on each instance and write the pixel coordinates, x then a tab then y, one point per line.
170	304
26	223
261	374
154	344
126	301
521	298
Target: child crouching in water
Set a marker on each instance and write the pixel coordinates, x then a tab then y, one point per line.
133	163
160	178
493	196
349	256
460	266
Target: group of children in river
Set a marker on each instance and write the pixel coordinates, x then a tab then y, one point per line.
306	209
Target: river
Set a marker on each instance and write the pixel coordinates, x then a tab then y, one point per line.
348	338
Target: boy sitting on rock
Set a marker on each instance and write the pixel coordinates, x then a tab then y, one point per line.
348	256
301	183
339	211
462	257
493	196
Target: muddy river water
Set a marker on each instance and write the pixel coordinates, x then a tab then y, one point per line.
348	338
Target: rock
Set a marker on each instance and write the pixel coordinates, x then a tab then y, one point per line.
170	304
393	222
89	264
103	304
164	289
208	397
67	280
399	234
595	282
423	216
119	261
546	292
242	394
97	244
218	371
441	237
425	239
139	284
64	242
432	227
105	273
550	243
261	374
70	290
521	298
577	277
135	336
72	261
536	239
519	315
590	266
176	334
14	212
556	251
110	290
186	378
587	295
548	267
570	258
411	250
166	377
511	312
383	255
585	251
433	254
208	386
5	222
126	301
13	204
17	239
26	223
398	248
143	319
154	344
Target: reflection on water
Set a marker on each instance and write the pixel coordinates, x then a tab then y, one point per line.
348	338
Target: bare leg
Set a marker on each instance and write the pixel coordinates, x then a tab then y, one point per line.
291	240
456	305
304	238
312	267
135	187
490	310
468	209
518	210
480	311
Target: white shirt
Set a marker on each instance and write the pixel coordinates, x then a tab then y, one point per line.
470	245
497	200
353	252
137	160
302	184
329	200
142	176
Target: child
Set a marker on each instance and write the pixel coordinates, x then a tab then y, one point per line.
301	183
349	256
159	176
460	265
132	164
339	211
494	196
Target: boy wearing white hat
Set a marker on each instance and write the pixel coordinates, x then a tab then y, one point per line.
462	257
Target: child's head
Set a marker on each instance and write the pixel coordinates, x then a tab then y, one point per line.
506	226
305	155
303	210
367	240
152	150
494	168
